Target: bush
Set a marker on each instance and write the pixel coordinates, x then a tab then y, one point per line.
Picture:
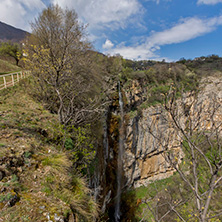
69	144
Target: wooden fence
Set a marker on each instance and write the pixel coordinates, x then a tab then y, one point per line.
11	79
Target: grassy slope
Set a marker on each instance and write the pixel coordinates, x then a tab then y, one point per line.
36	169
7	67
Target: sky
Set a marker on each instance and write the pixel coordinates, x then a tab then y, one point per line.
136	29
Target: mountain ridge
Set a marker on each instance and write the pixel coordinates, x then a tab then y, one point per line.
11	33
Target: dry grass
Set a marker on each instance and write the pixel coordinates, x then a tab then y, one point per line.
44	181
7	67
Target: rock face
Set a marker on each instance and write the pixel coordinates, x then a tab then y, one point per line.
144	157
148	133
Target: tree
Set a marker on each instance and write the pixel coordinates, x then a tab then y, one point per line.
61	61
195	127
13	50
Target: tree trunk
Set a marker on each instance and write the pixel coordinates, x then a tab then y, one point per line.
17	61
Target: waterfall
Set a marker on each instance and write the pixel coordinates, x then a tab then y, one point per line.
120	158
105	139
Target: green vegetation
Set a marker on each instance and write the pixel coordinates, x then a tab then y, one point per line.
154	200
196	197
158	79
63	67
13	50
40	173
203	66
52	157
51	125
193	192
7	67
150	196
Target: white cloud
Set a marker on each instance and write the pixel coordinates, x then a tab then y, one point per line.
157	1
133	52
209	2
32	5
104	13
20	13
108	44
185	30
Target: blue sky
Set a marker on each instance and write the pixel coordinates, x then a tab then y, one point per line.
137	29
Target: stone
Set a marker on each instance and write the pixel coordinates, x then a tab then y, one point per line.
144	161
58	218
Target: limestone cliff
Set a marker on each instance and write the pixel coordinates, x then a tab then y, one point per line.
144	159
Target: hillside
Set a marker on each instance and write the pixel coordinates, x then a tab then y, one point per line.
37	181
139	123
10	33
40	161
7	66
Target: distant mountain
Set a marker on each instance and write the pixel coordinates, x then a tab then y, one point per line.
10	33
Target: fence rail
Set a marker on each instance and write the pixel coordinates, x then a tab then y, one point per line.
11	79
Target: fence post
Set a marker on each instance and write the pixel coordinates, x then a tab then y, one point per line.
13	83
17	77
4	82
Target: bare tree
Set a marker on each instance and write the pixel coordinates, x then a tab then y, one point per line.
195	127
60	58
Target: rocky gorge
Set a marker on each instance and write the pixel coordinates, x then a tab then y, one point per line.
144	161
139	152
146	132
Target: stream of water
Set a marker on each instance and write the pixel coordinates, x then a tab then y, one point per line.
120	158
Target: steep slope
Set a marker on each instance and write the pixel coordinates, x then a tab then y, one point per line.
6	67
151	138
37	181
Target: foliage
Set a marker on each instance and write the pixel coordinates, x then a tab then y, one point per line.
138	65
13	50
204	65
7	67
39	171
198	130
69	188
61	61
149	197
113	65
157	94
158	78
79	143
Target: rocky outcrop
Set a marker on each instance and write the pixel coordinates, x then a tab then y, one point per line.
148	131
144	157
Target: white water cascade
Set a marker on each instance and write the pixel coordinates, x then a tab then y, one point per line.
105	140
120	158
